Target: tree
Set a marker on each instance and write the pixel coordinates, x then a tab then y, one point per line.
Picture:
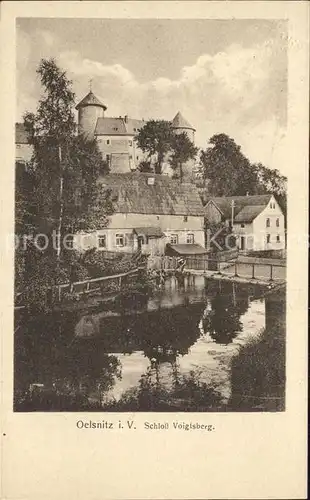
65	195
273	182
228	171
65	167
182	150
155	140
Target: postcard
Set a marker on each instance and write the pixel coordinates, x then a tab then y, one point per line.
154	250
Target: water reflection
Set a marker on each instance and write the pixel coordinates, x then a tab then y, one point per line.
221	318
158	355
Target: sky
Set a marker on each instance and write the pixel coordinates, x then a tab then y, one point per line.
224	76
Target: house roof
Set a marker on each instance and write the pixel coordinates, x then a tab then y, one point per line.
149	231
249	213
224	203
188	249
180	122
21	135
118	126
90	100
166	196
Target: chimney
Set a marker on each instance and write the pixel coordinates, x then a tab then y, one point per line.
126	118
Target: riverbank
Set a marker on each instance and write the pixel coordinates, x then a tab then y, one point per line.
258	372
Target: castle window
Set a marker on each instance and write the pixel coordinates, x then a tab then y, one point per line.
108	141
119	240
190	238
102	241
185	218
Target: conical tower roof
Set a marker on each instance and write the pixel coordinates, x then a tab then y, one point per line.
180	122
90	100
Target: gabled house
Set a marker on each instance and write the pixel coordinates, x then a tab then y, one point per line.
149	212
257	221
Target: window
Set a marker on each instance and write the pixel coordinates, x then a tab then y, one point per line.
137	157
174	239
268	222
69	241
108	158
277	222
268	238
185	218
119	240
108	141
278	238
242	225
102	241
190	238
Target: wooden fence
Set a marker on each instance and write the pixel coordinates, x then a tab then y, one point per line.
163	263
102	283
251	270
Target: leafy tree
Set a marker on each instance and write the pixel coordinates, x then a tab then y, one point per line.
65	195
272	181
228	171
155	140
65	167
182	150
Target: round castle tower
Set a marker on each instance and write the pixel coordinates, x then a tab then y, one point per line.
89	110
179	125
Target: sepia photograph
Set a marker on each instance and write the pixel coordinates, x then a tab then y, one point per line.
151	183
154	224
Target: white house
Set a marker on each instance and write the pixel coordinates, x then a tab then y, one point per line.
257	221
150	211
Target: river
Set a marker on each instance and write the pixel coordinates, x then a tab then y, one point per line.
170	351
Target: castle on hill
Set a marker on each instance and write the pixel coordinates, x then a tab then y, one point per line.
115	135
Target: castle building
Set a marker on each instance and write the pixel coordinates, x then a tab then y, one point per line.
115	135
